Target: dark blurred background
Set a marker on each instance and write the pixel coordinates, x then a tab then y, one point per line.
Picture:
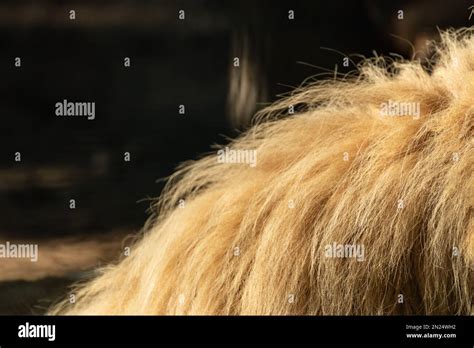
173	62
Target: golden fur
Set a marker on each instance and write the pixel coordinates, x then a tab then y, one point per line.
251	240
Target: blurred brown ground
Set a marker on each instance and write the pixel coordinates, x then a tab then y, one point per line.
28	287
60	256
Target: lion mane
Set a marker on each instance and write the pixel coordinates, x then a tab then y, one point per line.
236	239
